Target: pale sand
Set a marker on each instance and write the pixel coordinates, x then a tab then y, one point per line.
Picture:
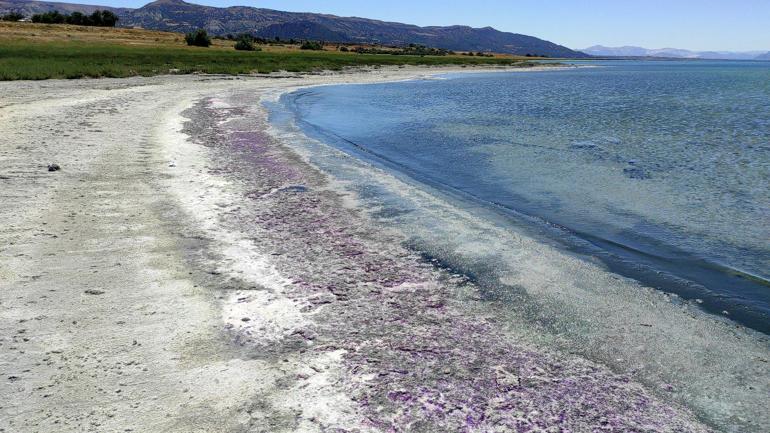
149	354
154	222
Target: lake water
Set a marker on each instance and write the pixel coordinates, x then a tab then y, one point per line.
618	213
659	170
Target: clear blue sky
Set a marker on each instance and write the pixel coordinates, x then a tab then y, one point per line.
691	24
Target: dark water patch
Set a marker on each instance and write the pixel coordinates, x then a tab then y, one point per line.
294	188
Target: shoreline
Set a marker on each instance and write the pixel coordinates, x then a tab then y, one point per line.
621	256
638	348
241	264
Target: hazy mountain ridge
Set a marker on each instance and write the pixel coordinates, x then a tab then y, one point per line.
177	15
27	8
632	51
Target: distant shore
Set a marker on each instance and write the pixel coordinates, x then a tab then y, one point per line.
185	270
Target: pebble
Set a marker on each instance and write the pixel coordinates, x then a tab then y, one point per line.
94	292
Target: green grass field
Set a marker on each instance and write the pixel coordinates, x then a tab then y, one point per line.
33	60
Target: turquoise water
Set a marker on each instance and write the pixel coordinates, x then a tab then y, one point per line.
661	170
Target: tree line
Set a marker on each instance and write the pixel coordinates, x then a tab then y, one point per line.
409	50
246	41
12	16
99	18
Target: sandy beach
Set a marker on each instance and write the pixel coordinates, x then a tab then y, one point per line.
186	271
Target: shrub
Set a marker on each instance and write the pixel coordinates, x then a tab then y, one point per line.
344	49
198	38
13	16
312	45
245	44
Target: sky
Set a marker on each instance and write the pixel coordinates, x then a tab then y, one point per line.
735	25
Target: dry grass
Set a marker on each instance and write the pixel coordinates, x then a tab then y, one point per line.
64	32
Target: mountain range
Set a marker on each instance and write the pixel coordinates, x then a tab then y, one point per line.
630	51
28	8
180	16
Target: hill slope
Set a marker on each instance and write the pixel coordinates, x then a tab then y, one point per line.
177	15
27	8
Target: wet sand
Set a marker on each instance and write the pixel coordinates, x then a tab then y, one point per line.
186	271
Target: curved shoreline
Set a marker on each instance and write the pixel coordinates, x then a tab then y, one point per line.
635	256
593	307
408	353
234	287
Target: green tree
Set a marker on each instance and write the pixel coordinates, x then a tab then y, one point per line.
53	17
12	16
312	45
245	44
78	19
104	18
198	38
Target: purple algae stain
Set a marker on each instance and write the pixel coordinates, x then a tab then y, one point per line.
415	360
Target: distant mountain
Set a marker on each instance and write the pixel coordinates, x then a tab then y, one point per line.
765	56
177	15
630	51
28	8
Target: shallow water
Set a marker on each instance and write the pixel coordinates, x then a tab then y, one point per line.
659	169
551	284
